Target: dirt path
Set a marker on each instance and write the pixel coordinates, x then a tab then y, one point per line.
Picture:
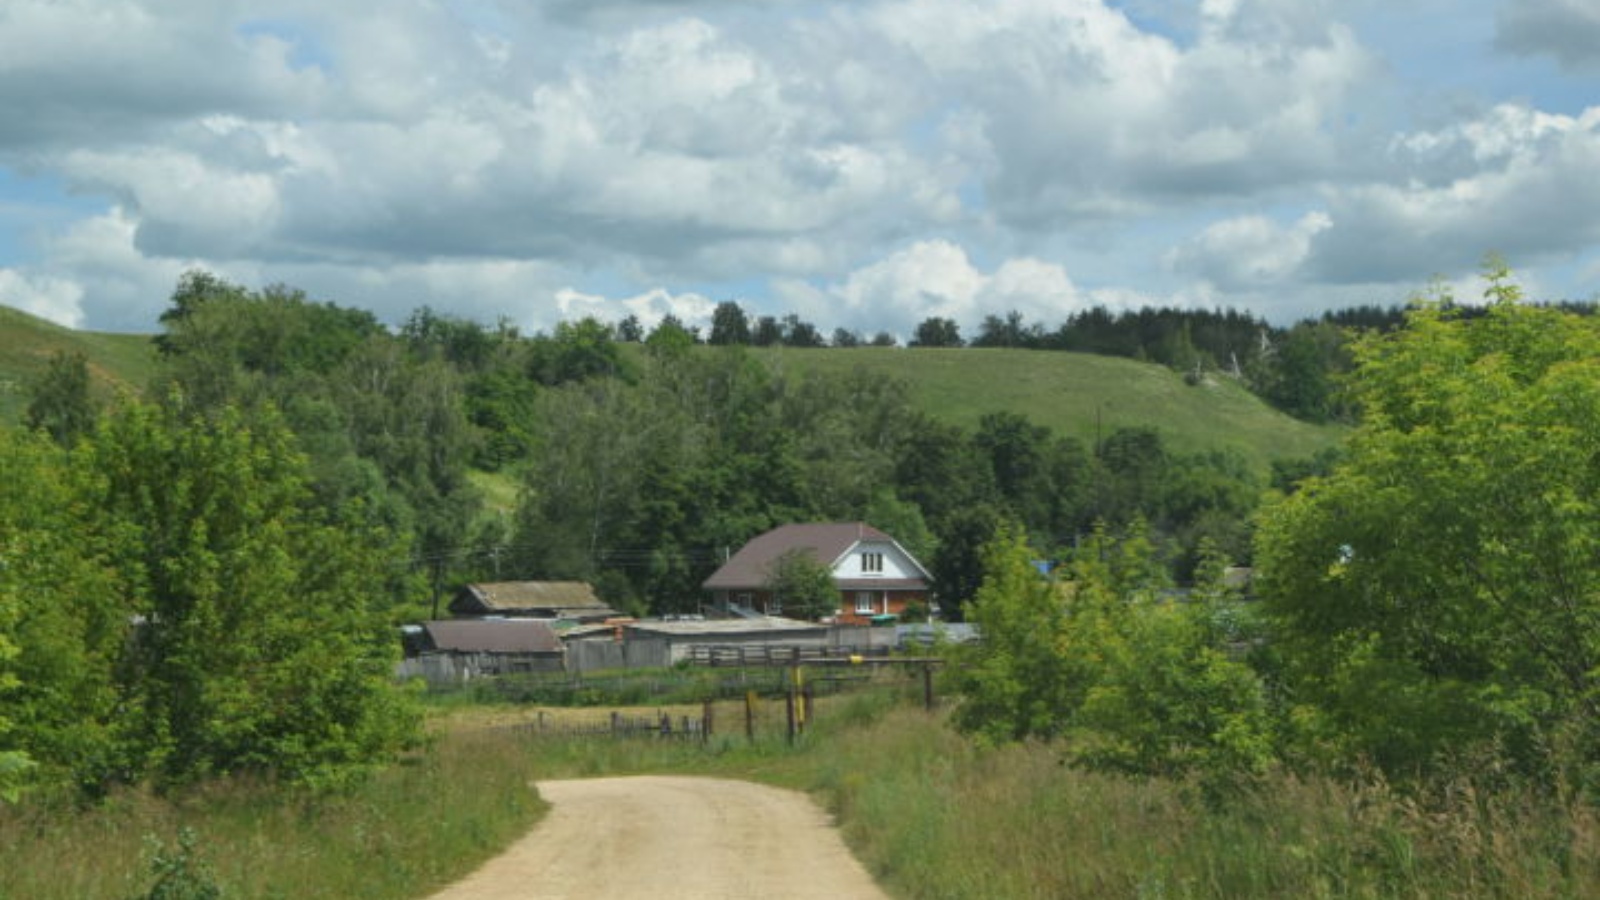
656	838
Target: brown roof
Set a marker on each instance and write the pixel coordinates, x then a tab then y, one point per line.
751	567
548	598
492	636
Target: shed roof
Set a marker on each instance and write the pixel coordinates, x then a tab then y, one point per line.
826	541
552	597
492	636
764	625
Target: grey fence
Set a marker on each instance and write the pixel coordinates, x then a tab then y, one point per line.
599	656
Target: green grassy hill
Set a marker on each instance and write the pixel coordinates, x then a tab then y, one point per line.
1073	393
116	361
1080	395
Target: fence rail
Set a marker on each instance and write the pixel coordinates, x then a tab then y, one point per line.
620	726
745	656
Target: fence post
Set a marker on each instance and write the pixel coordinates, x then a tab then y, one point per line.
750	715
705	721
927	686
789	710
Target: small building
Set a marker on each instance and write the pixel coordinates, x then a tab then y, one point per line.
457	650
769	632
572	601
875	576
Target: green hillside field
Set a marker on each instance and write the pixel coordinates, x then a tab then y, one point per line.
1080	395
117	362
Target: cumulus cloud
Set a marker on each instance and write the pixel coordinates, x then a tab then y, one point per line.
937	279
1529	194
1248	252
54	299
1568	30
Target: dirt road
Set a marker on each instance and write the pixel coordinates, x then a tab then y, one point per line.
656	838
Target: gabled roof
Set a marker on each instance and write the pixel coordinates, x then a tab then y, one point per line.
492	636
551	599
751	567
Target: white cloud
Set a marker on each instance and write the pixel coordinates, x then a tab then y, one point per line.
1248	252
1529	193
937	279
54	299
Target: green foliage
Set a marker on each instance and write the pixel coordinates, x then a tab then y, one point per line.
262	645
60	404
1020	682
1142	683
803	585
937	332
63	625
180	873
1436	594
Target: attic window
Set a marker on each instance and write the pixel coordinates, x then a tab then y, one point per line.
872	562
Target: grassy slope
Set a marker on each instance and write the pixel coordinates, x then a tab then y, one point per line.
1073	393
1080	395
116	361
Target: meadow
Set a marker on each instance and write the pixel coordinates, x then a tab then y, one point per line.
930	812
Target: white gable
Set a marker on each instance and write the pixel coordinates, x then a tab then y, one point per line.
869	560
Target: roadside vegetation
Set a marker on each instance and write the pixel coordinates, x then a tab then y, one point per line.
932	813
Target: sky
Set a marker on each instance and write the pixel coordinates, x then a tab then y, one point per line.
864	165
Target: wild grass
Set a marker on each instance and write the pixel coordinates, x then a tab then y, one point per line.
930	812
936	816
411	829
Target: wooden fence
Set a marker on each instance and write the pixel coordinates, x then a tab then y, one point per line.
762	655
618	725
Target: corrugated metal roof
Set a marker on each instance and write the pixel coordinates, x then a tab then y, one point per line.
726	627
750	568
492	636
554	598
525	594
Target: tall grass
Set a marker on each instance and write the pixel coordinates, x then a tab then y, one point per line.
936	816
931	813
411	829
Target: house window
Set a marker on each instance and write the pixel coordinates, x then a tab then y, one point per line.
872	562
864	603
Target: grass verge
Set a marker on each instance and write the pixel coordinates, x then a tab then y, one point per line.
931	814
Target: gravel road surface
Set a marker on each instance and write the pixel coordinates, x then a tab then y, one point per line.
657	838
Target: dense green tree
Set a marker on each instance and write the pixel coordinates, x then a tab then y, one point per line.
263	646
671	337
803	586
1145	685
577	351
1019	683
1010	331
937	332
58	400
1436	593
62	623
729	325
